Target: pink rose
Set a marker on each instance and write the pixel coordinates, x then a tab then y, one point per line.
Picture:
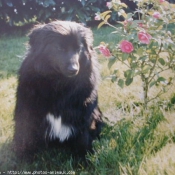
162	1
144	37
105	51
109	5
156	15
126	46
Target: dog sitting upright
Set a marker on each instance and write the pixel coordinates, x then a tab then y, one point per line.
57	90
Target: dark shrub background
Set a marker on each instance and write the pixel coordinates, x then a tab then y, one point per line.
14	11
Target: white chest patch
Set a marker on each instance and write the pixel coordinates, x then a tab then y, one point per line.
58	129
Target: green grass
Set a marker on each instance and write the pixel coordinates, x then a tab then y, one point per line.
135	142
104	34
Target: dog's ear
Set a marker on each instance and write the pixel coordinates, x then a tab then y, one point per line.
36	39
88	38
35	35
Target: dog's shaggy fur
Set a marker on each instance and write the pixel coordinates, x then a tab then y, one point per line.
57	92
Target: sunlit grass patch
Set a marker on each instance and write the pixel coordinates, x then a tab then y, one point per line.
163	162
7	101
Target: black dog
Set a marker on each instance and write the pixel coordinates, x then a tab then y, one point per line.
57	90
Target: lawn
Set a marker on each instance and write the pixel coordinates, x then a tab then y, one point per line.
135	141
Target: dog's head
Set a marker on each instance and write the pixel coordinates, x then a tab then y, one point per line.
62	46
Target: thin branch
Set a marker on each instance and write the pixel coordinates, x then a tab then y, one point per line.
157	73
160	93
124	63
152	69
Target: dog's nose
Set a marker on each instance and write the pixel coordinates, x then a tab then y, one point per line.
73	69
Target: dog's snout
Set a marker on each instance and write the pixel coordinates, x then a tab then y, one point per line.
73	69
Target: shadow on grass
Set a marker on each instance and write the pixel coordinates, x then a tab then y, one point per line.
7	159
47	160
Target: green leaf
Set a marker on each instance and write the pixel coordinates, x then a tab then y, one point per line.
151	44
114	78
143	58
128	81
112	60
153	51
125	56
161	79
129	73
161	61
173	99
134	65
152	83
133	58
146	69
121	83
153	60
140	51
115	71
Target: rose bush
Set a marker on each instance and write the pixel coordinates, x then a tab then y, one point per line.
145	38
